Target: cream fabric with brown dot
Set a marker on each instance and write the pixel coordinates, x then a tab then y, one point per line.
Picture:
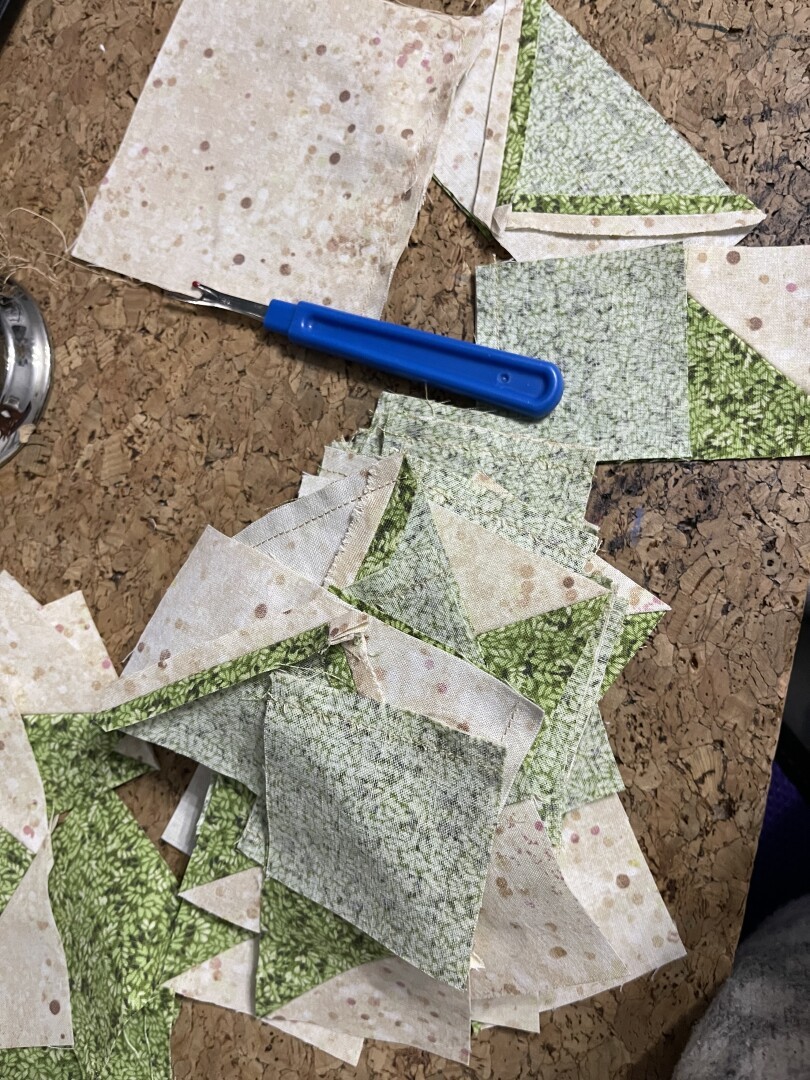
34	989
605	869
281	150
763	295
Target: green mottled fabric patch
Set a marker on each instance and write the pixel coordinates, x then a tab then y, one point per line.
616	325
301	946
537	656
631	205
15	858
384	817
589	133
740	406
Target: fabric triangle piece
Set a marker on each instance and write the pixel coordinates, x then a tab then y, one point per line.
762	294
740	405
593	145
34	991
416	585
587	154
391	1001
235	899
526	585
22	796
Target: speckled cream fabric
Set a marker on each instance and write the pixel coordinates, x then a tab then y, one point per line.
281	149
533	934
605	869
472	146
227	980
392	1001
382	816
22	796
761	294
34	989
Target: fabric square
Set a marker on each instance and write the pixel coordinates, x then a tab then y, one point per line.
243	136
642	166
382	816
616	326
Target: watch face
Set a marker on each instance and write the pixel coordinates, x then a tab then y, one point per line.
25	368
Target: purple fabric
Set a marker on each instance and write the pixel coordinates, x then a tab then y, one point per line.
782	867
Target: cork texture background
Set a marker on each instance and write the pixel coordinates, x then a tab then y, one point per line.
163	419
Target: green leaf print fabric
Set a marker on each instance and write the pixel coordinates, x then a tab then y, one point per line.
537	656
77	758
740	406
302	945
198	936
636	630
543	775
221	823
384	817
114	903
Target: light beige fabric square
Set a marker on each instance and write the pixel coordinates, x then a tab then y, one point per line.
281	149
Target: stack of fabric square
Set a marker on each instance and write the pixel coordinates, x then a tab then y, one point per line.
410	822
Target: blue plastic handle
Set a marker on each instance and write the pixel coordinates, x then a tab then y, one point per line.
519	383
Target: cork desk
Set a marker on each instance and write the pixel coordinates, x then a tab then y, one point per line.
163	420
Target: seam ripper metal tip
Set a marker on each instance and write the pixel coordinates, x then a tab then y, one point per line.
520	384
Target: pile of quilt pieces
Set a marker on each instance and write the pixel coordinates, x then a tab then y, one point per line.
527	127
406	820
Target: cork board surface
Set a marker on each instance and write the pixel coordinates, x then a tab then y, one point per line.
163	420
